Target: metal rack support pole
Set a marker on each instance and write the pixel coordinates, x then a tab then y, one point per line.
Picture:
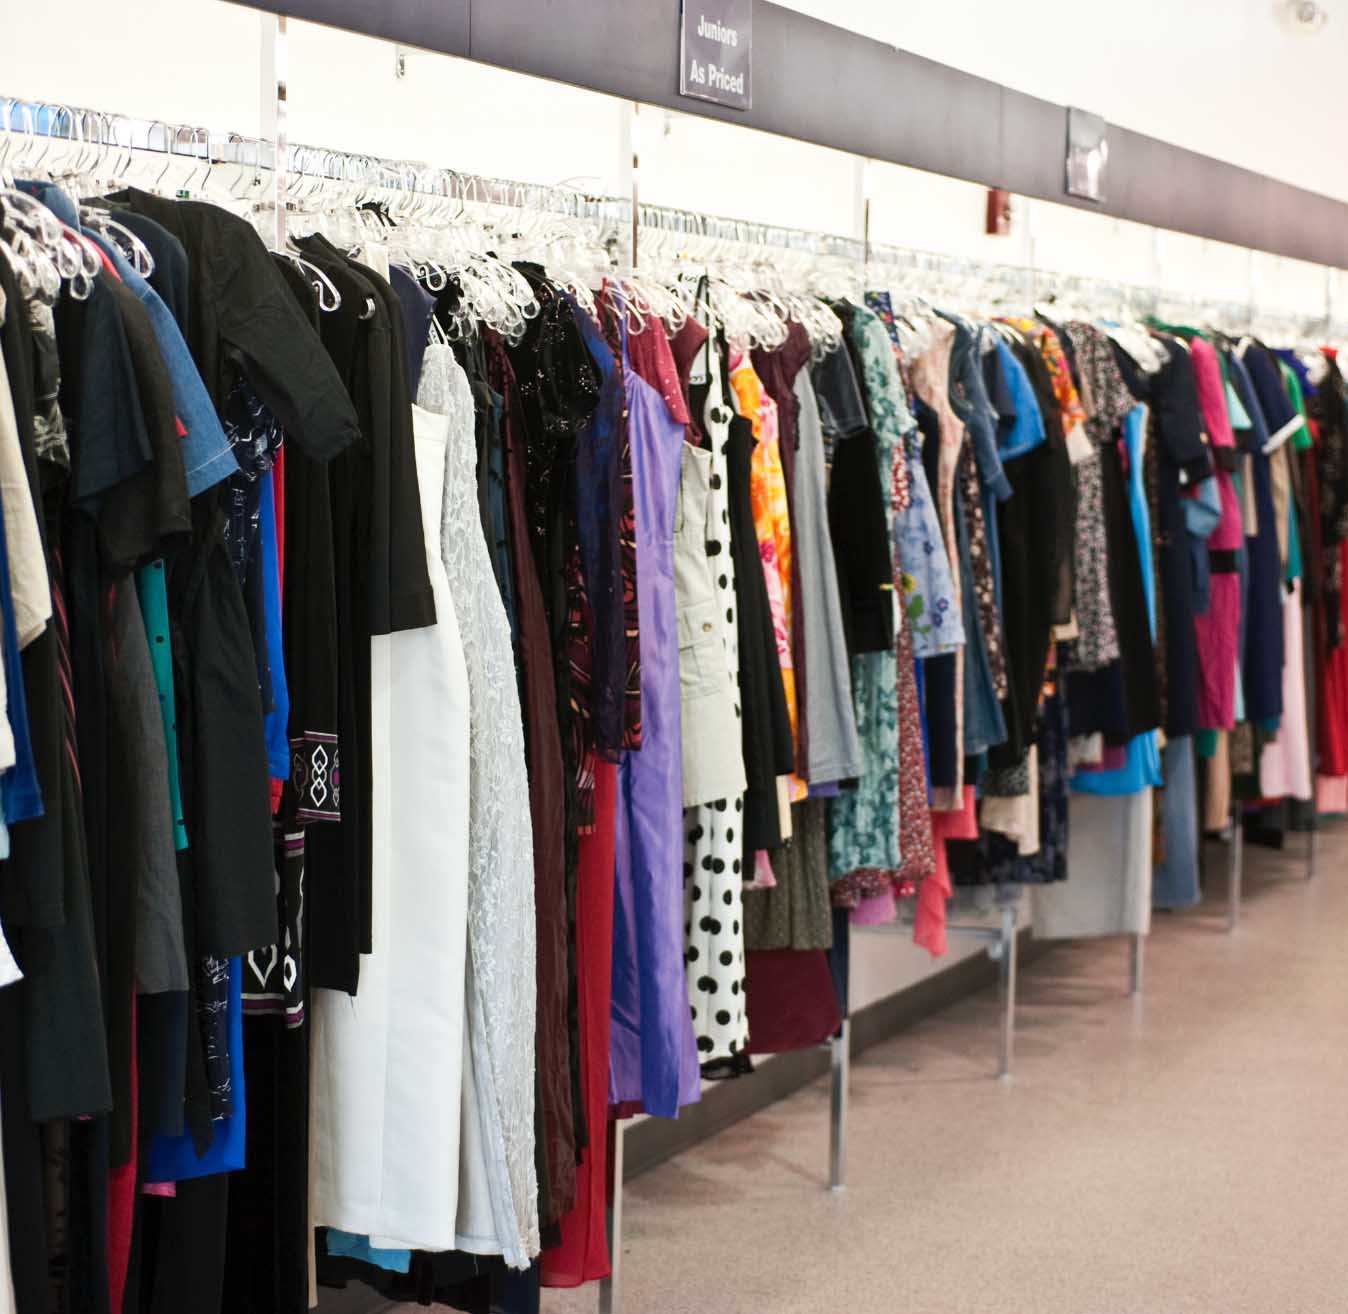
610	1288
1312	847
1234	869
272	119
1136	963
1006	962
840	1076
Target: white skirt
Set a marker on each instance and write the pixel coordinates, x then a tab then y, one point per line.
1108	885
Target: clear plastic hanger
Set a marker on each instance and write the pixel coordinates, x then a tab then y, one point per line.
43	252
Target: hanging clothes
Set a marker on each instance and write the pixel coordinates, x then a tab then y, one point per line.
653	1052
1219	626
715	833
386	1141
498	1203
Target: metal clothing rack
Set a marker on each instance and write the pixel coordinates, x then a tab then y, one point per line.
259	161
1035	284
271	158
1235	865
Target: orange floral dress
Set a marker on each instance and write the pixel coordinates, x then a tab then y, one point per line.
772	521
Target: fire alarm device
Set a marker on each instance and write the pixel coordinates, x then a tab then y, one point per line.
999	212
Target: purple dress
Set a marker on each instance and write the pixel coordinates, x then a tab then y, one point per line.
653	1053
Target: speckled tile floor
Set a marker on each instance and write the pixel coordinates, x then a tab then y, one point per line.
1186	1151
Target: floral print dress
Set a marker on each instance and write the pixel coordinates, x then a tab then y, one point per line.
931	603
864	831
772	520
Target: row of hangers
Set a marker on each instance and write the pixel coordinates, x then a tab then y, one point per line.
442	225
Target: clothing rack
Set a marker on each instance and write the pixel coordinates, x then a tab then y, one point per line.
1035	284
96	133
720	228
259	160
99	134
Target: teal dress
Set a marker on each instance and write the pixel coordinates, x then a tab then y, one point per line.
864	822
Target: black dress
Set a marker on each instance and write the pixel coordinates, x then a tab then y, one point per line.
764	724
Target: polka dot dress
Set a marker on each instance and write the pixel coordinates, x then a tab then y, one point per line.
713	845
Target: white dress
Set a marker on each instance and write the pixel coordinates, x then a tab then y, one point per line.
387	1065
713	849
498	1197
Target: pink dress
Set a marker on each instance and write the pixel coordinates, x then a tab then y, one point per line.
1218	628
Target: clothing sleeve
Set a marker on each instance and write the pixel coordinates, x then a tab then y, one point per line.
28	579
151	505
857	527
206	454
1301	434
266	333
1069	401
1212	394
278	713
144	834
1179	420
171	277
842	409
400	584
310	638
109	438
998	387
1280	415
982	426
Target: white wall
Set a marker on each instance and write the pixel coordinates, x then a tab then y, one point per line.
1181	71
1229	78
1220	76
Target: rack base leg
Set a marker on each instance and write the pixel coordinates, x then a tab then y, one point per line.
610	1288
841	1071
1235	870
1312	848
1006	963
1136	957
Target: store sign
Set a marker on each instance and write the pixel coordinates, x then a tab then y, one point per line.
714	49
1087	154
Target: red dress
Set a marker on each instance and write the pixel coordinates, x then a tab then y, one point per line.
582	1255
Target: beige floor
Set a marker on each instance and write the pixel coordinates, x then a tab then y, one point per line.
1187	1151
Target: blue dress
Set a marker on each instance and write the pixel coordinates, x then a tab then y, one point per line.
931	604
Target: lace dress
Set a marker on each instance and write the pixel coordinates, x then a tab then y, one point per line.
498	1201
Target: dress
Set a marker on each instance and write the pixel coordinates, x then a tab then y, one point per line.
863	829
1097	644
1218	627
713	851
931	382
764	721
498	1202
1109	847
582	1255
387	1065
653	1055
1261	615
832	750
713	756
931	604
773	525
